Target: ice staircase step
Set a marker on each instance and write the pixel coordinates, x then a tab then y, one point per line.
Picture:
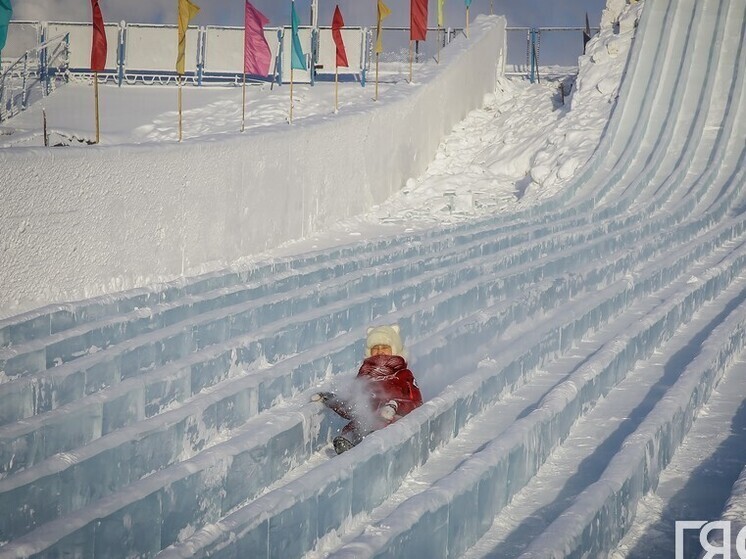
612	500
47	389
250	531
486	481
40	389
135	399
58	334
27	485
223	398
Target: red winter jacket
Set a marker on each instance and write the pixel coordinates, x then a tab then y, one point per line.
384	378
388	378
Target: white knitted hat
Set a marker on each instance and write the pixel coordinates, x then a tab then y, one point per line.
385	335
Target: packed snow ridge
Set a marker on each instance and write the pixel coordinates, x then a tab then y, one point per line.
579	339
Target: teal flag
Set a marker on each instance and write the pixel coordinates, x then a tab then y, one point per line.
298	59
467	2
5	12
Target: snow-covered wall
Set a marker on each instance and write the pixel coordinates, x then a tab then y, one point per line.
80	222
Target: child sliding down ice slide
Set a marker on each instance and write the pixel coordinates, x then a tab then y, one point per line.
387	387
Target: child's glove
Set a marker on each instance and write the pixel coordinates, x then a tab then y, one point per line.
388	410
322	397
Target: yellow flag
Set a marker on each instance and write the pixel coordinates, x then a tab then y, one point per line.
187	11
383	13
441	19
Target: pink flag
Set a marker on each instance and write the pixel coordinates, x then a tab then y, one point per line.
256	53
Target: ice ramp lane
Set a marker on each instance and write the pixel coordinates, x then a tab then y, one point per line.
564	351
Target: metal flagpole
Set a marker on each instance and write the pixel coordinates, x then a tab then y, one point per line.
376	97
95	89
314	13
44	121
411	59
178	79
243	105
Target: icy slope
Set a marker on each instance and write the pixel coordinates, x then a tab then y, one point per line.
564	352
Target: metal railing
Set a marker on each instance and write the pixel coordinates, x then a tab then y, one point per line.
45	63
36	72
533	39
122	68
397	43
145	53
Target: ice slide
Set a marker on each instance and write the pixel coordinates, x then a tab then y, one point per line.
565	352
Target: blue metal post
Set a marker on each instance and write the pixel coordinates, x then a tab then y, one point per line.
314	54
120	54
24	80
366	52
201	55
42	65
280	36
67	58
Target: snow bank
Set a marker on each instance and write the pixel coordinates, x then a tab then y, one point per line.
524	145
78	223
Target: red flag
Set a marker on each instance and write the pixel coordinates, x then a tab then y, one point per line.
418	20
337	24
98	44
256	53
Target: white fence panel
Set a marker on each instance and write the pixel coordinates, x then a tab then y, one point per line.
224	49
299	76
354	40
153	48
22	36
150	49
81	36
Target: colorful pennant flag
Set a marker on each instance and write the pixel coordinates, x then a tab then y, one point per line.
383	13
187	12
256	53
441	19
298	59
418	20
337	25
98	43
5	14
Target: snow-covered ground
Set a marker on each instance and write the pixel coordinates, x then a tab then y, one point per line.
571	282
